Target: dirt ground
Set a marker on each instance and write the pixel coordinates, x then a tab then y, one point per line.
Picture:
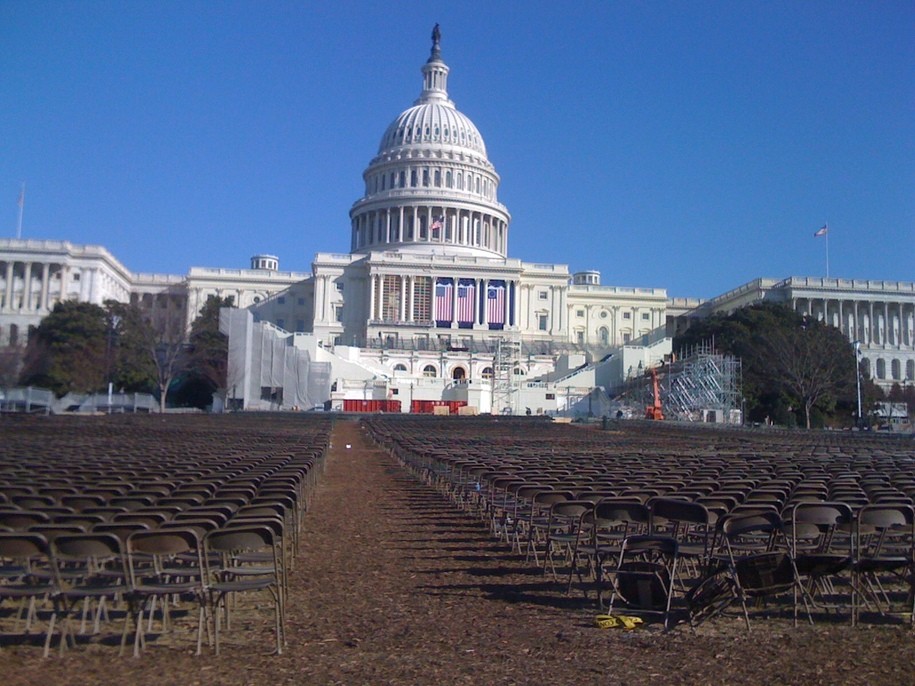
395	586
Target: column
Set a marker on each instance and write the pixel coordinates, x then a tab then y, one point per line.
870	323
26	303
508	302
45	274
8	295
371	297
886	322
403	298
454	298
387	228
321	298
400	225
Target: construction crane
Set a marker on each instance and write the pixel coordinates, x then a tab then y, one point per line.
654	411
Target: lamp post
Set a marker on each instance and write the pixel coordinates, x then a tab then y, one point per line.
858	378
113	324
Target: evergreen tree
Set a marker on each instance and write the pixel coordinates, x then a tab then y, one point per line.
70	350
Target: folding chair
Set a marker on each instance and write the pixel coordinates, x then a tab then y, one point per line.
91	568
884	567
759	558
230	570
822	544
564	534
644	577
27	576
163	565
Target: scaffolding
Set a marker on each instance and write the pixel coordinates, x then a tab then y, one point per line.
705	386
505	377
700	385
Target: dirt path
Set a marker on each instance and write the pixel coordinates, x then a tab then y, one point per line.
395	586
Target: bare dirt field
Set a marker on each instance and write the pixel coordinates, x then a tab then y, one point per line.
395	586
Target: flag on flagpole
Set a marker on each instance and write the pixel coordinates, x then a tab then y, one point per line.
822	231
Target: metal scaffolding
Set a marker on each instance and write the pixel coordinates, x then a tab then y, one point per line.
700	386
505	378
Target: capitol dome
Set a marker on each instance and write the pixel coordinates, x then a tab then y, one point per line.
431	187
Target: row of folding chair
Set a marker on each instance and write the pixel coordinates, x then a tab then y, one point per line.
166	572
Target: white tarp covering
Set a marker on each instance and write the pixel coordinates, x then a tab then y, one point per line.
266	370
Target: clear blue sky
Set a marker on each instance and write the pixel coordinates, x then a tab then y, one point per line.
686	145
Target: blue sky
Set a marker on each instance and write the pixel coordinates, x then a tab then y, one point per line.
691	146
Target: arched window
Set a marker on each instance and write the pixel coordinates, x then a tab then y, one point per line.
403	179
881	368
910	370
486	373
448	179
519	371
896	369
429	370
412	178
604	334
438	178
458	374
400	367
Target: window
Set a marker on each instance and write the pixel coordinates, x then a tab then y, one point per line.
339	286
627	315
579	313
645	316
580	337
257	299
400	367
338	313
551	396
542	322
881	368
604	334
486	373
429	371
604	314
543	295
627	337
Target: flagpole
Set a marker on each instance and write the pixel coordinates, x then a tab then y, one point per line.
21	204
827	249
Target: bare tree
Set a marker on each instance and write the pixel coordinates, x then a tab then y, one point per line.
167	343
813	362
153	336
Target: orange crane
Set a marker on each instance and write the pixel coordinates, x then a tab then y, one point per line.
654	411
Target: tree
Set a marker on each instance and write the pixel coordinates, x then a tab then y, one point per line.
151	345
208	354
134	367
812	361
788	361
68	352
167	337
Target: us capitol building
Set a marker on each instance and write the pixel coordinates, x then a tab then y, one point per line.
427	304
